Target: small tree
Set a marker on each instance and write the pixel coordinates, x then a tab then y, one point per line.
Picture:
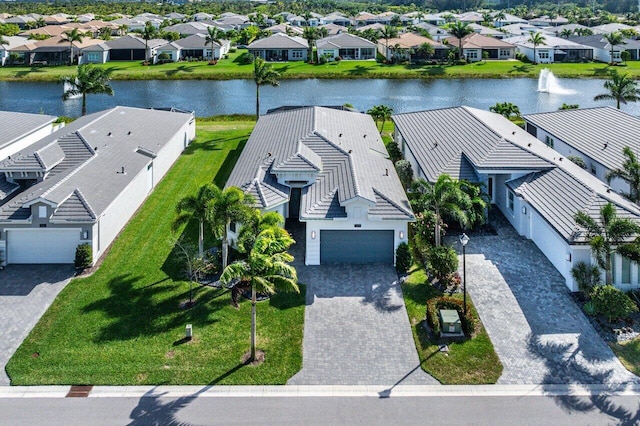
577	160
443	261
84	256
586	276
568	106
405	173
394	152
612	302
403	258
194	264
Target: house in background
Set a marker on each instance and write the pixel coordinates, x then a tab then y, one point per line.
194	46
407	46
84	182
555	49
328	170
132	48
280	47
597	135
536	188
474	45
346	46
20	130
12	42
602	48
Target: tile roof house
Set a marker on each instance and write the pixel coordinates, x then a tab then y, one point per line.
280	47
82	183
555	49
132	48
346	46
407	47
20	130
51	51
536	188
602	48
12	41
329	170
195	46
474	45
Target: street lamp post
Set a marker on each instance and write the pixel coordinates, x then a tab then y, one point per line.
464	240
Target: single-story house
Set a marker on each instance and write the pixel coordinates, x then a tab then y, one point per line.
507	20
555	49
364	18
346	46
486	31
194	46
84	182
610	28
51	51
471	17
280	47
437	33
12	42
202	16
20	130
602	48
546	21
94	54
333	29
474	45
513	30
132	48
188	28
336	18
538	190
557	31
407	46
328	170
22	21
286	29
597	135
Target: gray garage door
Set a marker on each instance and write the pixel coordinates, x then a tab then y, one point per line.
356	246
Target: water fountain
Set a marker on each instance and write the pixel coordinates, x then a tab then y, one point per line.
548	83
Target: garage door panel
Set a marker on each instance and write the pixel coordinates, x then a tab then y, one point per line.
356	246
42	246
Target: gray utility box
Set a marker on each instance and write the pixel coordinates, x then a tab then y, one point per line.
450	321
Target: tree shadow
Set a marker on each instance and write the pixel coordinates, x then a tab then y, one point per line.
384	296
26	72
229	162
435	70
180	68
284	300
213	144
386	393
523	68
282	68
601	72
359	70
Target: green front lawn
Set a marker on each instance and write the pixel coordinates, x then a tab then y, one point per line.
124	325
629	354
230	68
470	362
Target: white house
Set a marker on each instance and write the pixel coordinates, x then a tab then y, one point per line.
328	169
12	42
538	190
84	182
195	46
554	49
346	46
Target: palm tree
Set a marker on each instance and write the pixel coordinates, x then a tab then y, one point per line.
536	39
630	172
499	16
3	41
387	33
266	270
311	35
460	30
614	39
622	89
566	33
89	80
427	50
254	223
380	113
263	74
225	207
72	36
506	109
105	33
213	36
444	198
195	207
603	235
148	33
122	29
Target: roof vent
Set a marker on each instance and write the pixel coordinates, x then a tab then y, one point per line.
365	136
350	151
560	159
435	144
513	133
122	172
109	134
95	148
340	135
386	172
529	144
129	132
605	145
268	154
608	190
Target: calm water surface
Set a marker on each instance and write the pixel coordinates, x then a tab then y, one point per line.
238	96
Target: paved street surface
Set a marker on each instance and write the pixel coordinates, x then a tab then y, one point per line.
26	292
539	333
356	329
455	405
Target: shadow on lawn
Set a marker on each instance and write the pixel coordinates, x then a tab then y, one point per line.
181	68
140	309
213	144
26	72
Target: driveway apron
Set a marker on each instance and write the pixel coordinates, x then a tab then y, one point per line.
538	331
356	328
26	292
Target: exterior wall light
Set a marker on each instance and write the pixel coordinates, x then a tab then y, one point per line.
524	209
401	235
85	235
313	235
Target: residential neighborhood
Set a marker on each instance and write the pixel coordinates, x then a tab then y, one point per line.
405	242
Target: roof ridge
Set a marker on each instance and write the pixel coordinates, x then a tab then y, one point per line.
328	196
67	177
84	201
390	201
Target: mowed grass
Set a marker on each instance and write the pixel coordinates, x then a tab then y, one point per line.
231	68
471	362
629	354
124	324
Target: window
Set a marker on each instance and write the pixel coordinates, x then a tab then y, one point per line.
472	54
549	141
42	211
297	54
232	226
504	53
93	56
616	55
510	200
543	55
593	168
626	270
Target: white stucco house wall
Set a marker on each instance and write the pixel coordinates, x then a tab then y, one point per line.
329	170
82	183
19	130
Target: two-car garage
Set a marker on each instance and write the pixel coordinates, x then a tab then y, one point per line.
42	245
356	246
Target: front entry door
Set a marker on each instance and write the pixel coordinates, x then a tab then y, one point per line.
294	203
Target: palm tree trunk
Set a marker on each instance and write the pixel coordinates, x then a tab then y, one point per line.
459	49
608	275
257	101
84	104
253	323
71	54
437	230
201	238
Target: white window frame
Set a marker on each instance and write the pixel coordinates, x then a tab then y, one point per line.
511	200
42	212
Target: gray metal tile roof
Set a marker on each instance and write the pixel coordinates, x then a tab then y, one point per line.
344	41
97	148
194	41
439	139
344	147
74	209
133	42
17	125
589	129
279	41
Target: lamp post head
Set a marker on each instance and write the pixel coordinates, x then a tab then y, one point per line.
464	240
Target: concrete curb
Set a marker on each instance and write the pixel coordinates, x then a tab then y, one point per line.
375	391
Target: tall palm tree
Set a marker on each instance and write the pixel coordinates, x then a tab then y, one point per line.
89	80
444	198
606	235
387	33
614	39
148	33
224	207
195	207
536	39
460	30
566	33
254	223
630	172
213	36
622	89
263	74
72	36
499	16
266	270
380	113
311	35
427	50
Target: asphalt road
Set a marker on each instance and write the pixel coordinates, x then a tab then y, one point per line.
458	410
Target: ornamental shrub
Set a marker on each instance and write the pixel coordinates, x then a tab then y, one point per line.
446	302
612	302
586	276
405	172
403	258
443	261
84	256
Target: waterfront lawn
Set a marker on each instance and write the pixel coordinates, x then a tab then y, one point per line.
230	68
471	362
124	325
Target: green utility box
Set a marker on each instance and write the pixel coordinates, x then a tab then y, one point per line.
450	322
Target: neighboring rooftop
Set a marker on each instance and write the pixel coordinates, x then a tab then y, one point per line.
16	125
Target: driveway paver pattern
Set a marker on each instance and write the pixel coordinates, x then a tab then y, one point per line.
538	331
356	328
26	292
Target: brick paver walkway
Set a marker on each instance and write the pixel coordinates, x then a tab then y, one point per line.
26	292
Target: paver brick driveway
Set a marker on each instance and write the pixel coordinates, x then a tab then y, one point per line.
539	333
26	292
356	328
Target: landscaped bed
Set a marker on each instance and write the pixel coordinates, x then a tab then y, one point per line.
465	361
123	325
